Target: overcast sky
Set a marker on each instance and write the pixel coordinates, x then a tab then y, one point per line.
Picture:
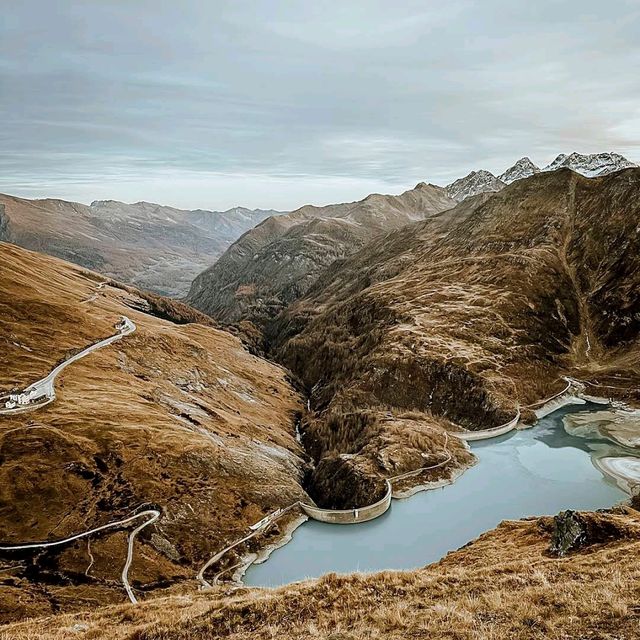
275	104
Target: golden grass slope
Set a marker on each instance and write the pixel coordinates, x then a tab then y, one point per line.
179	416
505	585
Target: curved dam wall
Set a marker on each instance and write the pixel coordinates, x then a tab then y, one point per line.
350	516
471	436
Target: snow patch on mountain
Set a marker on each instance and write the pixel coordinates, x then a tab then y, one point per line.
474	183
591	164
524	168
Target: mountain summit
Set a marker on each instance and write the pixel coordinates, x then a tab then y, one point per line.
474	183
524	168
591	164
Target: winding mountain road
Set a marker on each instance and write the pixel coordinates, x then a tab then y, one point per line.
42	392
153	514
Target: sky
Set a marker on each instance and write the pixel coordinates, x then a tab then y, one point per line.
275	104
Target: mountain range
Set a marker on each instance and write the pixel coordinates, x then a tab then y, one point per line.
589	165
468	315
155	247
390	323
279	260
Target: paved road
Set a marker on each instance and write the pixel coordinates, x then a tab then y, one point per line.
153	514
257	528
43	391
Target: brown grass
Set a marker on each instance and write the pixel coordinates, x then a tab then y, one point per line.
168	416
504	585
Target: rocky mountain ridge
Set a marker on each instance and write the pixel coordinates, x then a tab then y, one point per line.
523	168
591	165
474	183
276	262
588	165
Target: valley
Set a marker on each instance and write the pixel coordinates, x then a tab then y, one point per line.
150	246
169	458
163	421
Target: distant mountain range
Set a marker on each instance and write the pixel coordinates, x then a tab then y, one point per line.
589	165
152	246
176	252
281	259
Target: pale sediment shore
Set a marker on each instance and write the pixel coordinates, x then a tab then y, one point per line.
402	494
621	425
263	554
624	470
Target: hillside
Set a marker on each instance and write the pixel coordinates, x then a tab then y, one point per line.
506	584
470	314
152	246
166	418
277	262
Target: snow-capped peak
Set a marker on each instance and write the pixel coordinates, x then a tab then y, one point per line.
524	168
472	184
591	164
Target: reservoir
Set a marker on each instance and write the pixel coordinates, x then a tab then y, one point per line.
537	471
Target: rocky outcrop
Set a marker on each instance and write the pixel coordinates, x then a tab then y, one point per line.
473	184
569	532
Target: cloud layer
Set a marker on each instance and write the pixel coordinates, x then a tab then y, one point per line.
275	104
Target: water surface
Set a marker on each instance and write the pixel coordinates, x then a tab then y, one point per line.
539	471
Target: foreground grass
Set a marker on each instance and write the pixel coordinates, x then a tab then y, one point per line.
504	585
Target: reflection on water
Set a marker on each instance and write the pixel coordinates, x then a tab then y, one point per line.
533	472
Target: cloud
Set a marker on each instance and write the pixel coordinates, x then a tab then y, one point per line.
276	103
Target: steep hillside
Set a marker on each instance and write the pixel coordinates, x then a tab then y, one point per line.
166	418
506	584
152	246
472	313
278	261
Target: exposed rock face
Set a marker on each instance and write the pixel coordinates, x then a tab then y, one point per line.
152	246
278	261
591	165
524	168
569	532
473	184
478	309
179	416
